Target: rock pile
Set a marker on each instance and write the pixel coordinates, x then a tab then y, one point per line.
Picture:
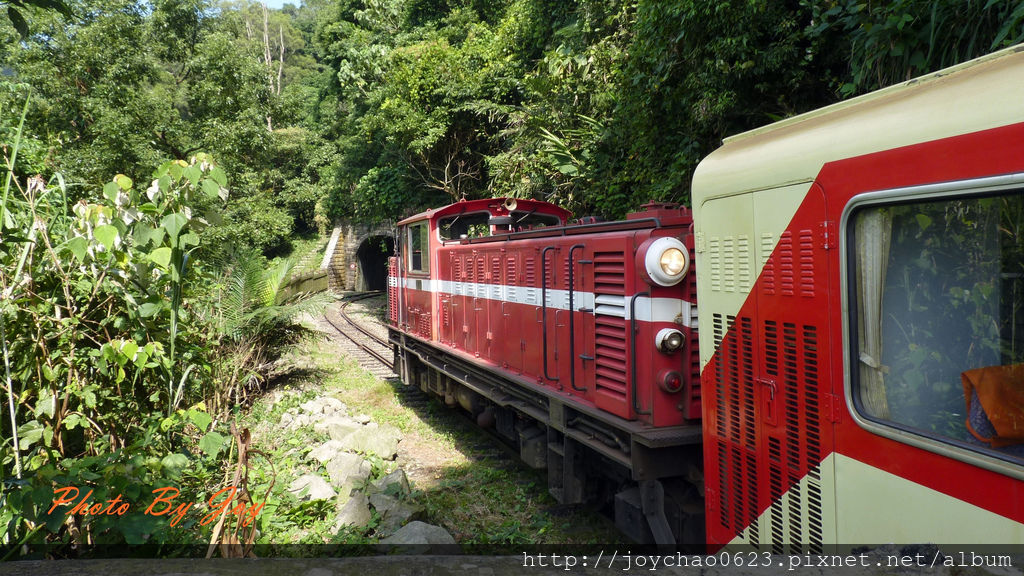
354	438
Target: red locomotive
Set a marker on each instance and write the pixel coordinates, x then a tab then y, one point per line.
853	375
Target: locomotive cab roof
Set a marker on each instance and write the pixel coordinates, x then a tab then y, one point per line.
496	207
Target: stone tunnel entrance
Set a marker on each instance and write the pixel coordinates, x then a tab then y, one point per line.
372	255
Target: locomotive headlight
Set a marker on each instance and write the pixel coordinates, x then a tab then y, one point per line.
669	340
666	261
672	261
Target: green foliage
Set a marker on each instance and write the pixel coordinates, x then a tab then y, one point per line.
131	83
95	325
122	351
15	8
890	42
252	316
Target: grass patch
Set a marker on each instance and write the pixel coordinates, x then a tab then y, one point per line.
478	493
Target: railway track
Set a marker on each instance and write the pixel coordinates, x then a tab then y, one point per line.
369	349
366	347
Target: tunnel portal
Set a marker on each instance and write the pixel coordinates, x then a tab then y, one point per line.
372	256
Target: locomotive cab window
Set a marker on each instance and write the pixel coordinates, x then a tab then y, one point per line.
417	243
478	224
936	288
464	226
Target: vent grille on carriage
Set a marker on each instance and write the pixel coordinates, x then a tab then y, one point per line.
610	323
791	356
735	399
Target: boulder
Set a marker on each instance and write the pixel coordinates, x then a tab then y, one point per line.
326	452
382	503
299	421
355	512
347	471
395	484
311	487
398	514
333	405
420	537
374	439
337	427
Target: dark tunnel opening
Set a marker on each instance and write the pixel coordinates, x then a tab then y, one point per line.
373	256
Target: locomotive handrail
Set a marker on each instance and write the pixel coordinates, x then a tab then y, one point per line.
632	351
544	306
572	325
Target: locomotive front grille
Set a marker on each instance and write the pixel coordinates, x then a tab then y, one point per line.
610	360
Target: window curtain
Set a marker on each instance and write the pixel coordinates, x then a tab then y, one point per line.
874	237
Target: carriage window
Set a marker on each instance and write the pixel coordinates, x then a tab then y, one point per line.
938	293
419	257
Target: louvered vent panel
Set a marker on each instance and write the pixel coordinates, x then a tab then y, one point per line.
792	357
393	289
609	273
715	261
423	325
722	422
775	490
728	264
771	348
610	360
495	280
749	418
786	264
737	426
807	263
530	280
767	264
812	422
743	268
791	408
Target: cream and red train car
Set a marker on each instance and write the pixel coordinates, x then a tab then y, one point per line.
855	374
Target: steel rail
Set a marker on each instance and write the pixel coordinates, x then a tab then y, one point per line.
361	345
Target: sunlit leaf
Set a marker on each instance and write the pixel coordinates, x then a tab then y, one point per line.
110	191
173	223
161	256
106	235
201	419
150	309
193	173
174	463
212	443
219	176
211	188
79	247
